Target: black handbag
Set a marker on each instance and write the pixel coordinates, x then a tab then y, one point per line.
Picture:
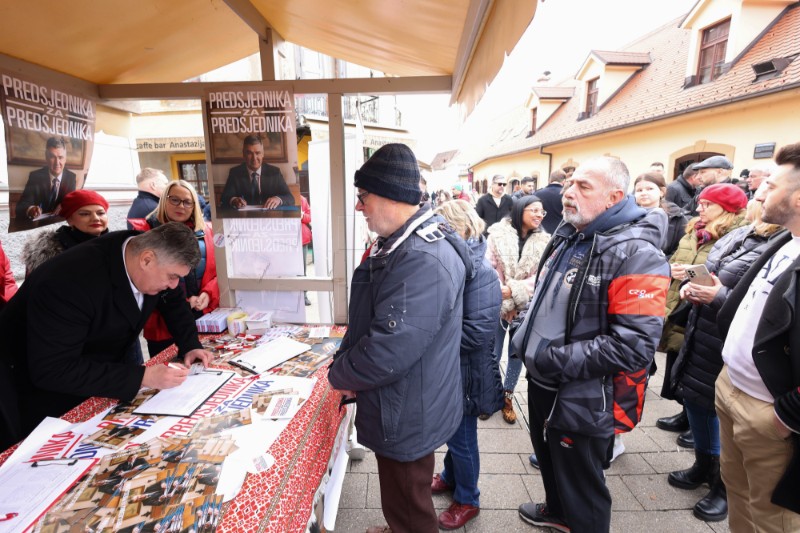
680	315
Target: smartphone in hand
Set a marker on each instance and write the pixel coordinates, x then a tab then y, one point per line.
699	274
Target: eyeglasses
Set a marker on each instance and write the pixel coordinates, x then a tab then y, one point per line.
177	201
360	196
537	212
503	184
704	204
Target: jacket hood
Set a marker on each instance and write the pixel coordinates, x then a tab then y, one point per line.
649	226
471	253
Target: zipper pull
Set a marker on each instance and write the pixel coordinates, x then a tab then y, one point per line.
544	431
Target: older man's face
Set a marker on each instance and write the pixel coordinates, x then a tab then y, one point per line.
755	179
253	156
56	158
586	195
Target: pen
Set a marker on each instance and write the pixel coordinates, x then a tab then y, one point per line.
176	367
8	516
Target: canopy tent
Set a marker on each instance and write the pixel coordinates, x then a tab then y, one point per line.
168	41
119	50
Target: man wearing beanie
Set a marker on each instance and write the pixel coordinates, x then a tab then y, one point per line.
400	357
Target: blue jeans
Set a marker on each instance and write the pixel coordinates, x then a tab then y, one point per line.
462	463
705	428
514	366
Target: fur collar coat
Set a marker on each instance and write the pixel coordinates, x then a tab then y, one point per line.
515	270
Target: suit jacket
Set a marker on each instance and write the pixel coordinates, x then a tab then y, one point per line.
68	330
37	191
272	184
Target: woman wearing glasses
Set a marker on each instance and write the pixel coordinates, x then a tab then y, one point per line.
179	203
514	249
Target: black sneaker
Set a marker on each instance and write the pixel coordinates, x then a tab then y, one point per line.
536	514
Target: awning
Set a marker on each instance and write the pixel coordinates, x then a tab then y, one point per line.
166	41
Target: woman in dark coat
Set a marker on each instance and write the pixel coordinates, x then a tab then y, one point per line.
480	374
699	361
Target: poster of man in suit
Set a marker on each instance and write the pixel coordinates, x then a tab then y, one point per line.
252	135
49	141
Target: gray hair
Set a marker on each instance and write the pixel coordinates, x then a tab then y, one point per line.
55	142
768	168
616	173
173	243
149	174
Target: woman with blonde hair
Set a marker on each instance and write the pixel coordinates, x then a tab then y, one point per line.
480	375
179	203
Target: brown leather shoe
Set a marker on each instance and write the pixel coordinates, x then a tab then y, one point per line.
508	411
438	486
379	529
457	515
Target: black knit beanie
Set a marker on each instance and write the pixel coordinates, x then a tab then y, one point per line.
391	172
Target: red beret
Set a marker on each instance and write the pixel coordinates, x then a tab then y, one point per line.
726	195
77	199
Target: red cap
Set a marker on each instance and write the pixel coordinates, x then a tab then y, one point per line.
726	195
77	199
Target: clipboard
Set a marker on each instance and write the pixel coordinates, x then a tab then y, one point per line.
268	355
29	490
186	398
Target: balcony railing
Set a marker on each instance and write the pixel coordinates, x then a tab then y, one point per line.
317	106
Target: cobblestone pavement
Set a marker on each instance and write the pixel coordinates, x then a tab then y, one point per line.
642	498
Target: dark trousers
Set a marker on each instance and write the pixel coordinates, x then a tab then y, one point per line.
572	468
406	494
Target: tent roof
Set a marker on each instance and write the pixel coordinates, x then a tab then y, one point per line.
167	41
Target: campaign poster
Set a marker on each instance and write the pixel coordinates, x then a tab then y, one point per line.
253	151
49	134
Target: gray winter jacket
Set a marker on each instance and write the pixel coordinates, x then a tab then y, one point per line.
401	350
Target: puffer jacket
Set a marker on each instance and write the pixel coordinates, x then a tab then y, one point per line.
700	360
401	350
516	270
615	316
480	373
688	253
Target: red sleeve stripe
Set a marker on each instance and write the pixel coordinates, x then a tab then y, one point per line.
638	294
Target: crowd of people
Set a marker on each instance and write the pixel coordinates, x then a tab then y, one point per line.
580	281
592	274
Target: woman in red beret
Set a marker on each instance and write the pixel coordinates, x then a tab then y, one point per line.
179	203
86	213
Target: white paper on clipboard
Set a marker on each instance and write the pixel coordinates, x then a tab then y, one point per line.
30	489
270	354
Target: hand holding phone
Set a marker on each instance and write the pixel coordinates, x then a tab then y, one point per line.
699	274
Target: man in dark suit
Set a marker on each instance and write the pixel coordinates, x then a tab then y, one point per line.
48	185
67	331
254	182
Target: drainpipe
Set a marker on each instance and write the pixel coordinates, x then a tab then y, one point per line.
549	163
